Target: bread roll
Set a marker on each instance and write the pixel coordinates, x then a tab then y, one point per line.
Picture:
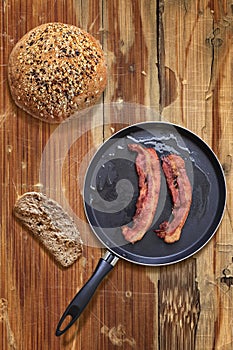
48	222
55	70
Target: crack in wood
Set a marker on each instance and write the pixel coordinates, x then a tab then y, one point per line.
166	77
219	41
161	54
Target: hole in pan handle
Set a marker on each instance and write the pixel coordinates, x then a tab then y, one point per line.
82	298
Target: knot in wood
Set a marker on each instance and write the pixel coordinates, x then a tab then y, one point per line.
214	39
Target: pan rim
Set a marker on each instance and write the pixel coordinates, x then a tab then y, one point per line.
202	245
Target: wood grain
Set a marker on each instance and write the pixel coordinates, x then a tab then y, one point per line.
172	57
179	306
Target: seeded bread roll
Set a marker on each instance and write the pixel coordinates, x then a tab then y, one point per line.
48	222
55	70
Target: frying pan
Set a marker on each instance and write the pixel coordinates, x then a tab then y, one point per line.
111	191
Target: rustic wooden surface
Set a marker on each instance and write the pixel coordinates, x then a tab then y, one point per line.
175	57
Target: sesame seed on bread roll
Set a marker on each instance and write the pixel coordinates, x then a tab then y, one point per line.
56	70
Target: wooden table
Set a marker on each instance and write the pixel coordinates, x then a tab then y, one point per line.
174	57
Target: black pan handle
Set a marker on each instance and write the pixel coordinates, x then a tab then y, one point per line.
82	298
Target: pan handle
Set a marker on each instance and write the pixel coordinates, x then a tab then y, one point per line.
82	298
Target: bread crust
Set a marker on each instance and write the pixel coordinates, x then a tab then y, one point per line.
55	70
51	225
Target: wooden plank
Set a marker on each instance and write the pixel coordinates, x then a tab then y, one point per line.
174	57
197	48
130	43
34	291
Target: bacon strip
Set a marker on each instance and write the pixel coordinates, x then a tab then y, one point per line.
181	192
149	179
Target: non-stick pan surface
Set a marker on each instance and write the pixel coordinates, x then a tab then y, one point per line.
111	191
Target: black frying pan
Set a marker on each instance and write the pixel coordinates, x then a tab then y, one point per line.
111	191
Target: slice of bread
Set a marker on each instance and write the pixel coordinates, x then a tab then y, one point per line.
51	225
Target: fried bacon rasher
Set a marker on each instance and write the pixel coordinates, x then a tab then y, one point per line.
149	180
181	192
